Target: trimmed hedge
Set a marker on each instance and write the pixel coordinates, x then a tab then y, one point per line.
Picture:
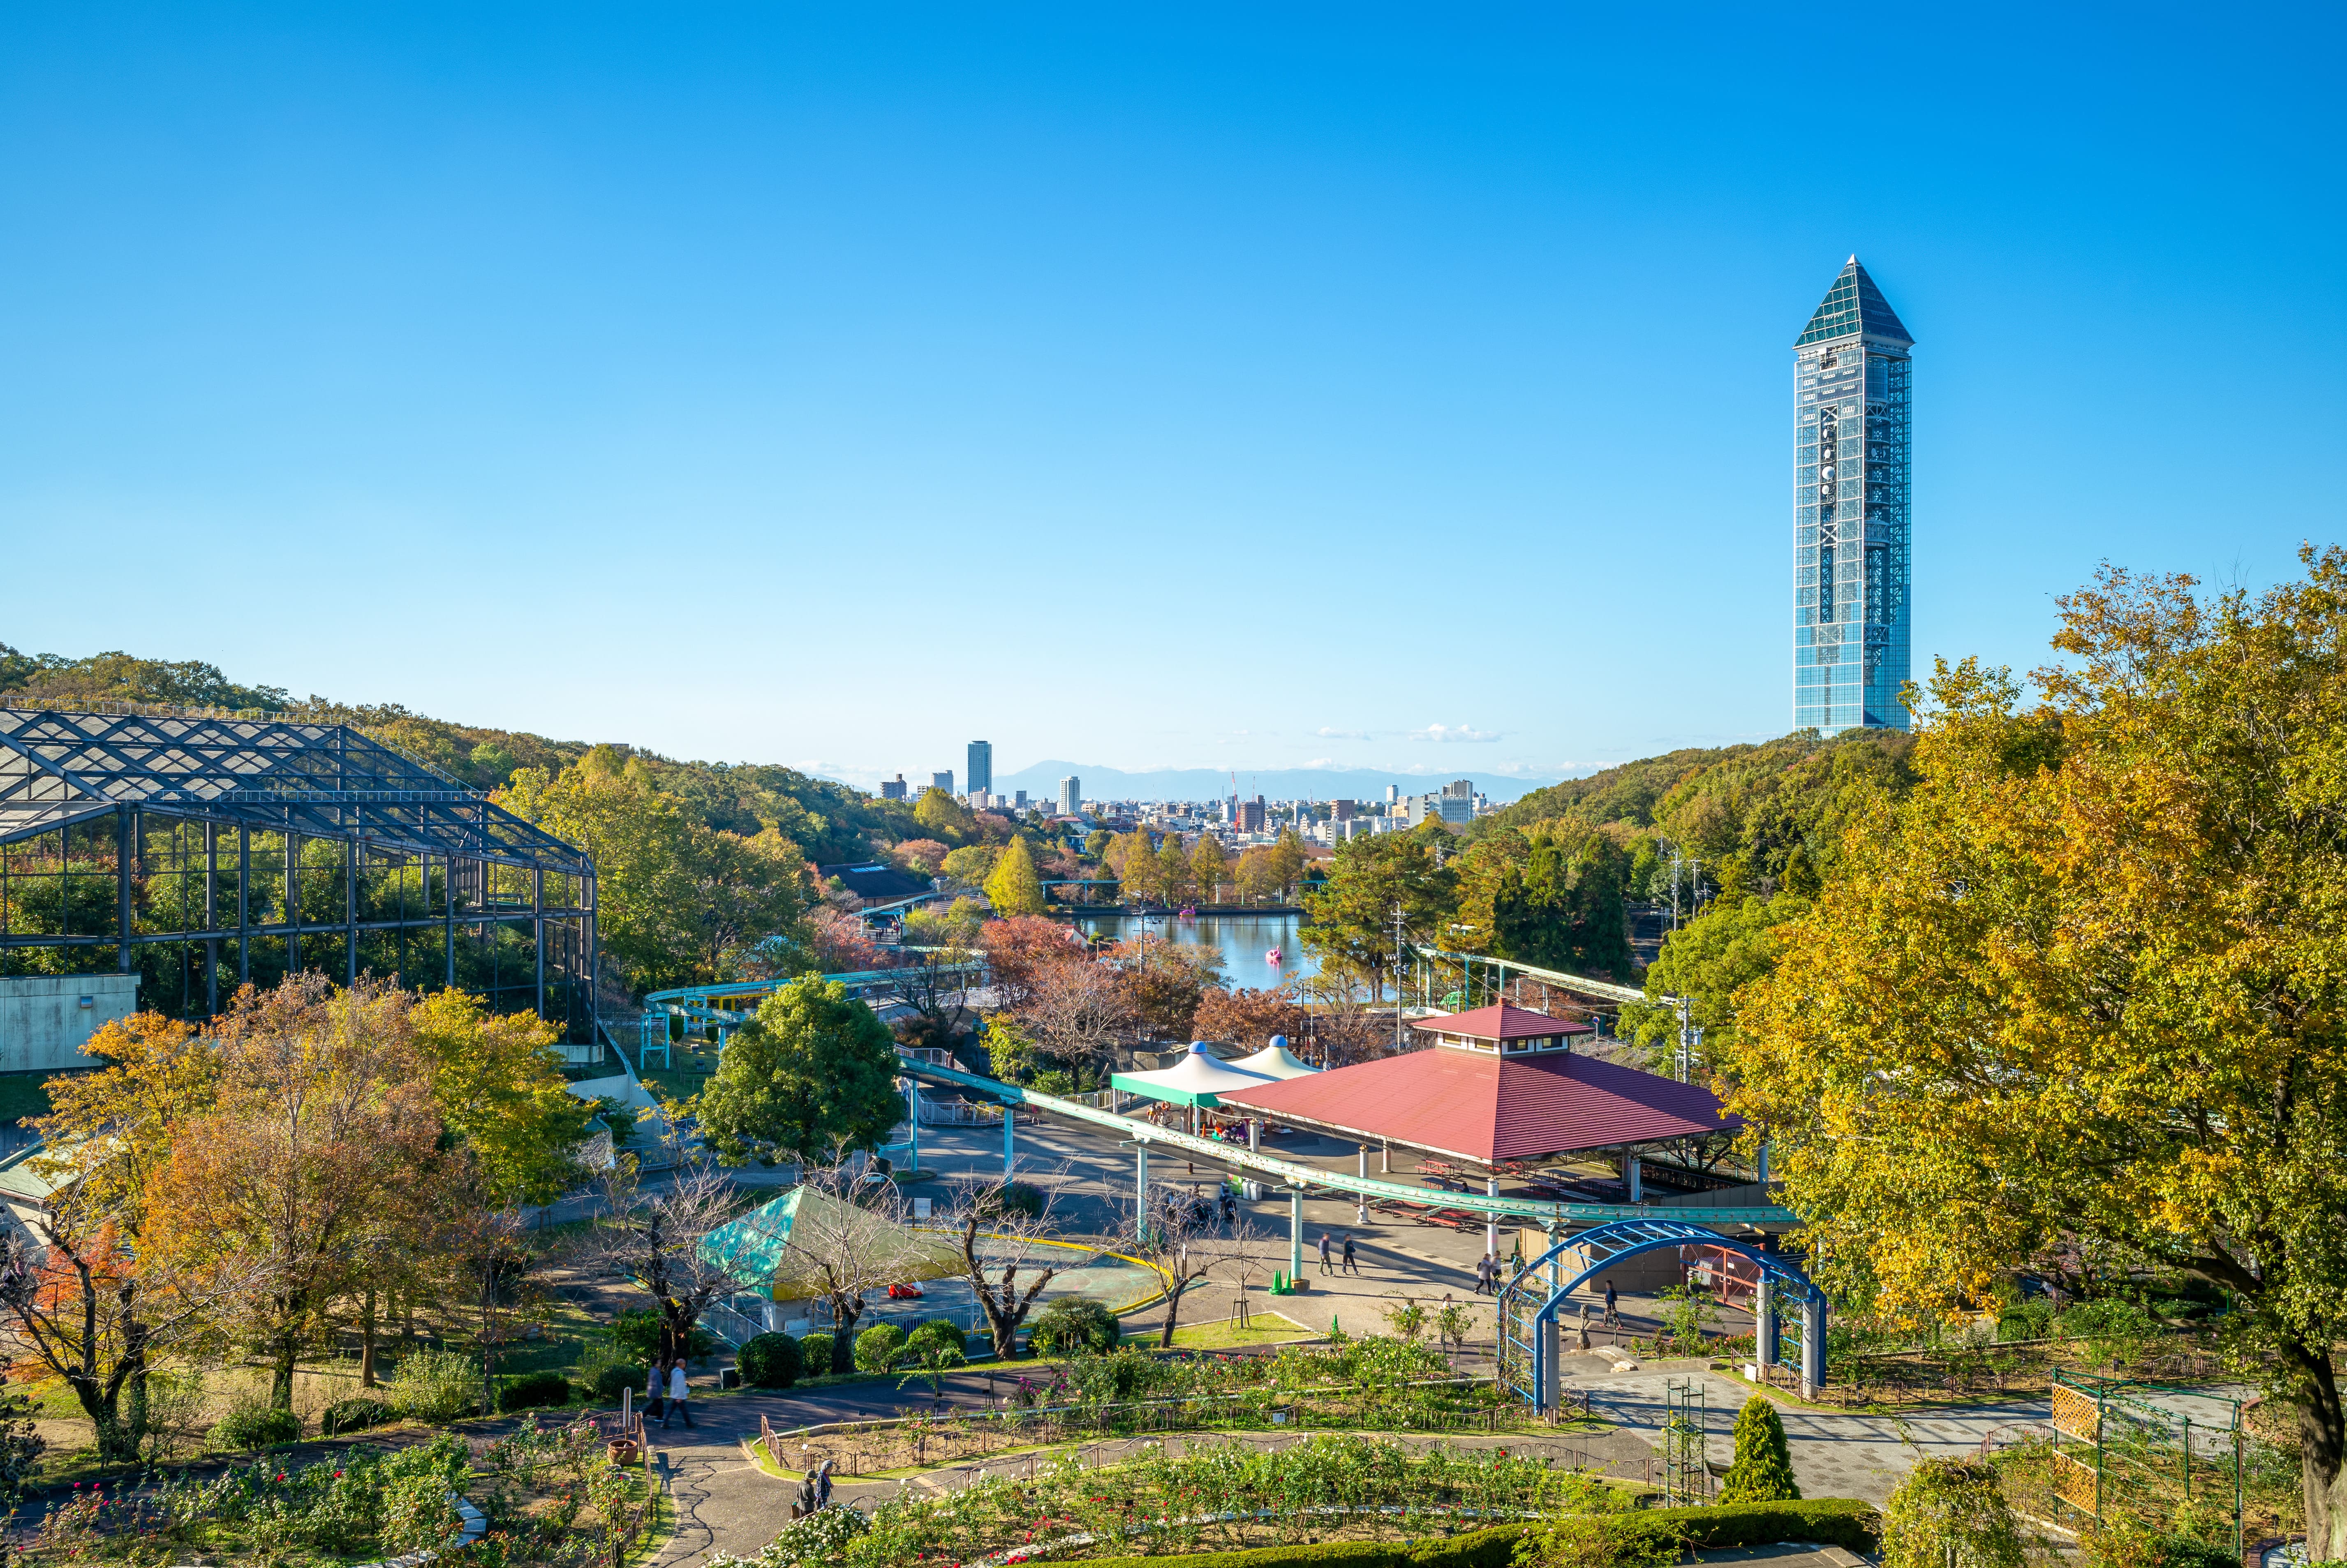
534	1390
356	1414
769	1362
625	1377
1830	1521
256	1426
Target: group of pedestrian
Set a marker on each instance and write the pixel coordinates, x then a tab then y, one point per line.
814	1490
1352	1265
666	1394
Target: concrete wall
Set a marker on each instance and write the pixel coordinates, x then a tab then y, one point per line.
43	1020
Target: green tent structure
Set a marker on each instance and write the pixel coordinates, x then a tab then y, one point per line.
757	1247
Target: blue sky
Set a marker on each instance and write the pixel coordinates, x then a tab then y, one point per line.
1154	386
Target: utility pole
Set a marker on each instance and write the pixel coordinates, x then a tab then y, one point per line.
1397	977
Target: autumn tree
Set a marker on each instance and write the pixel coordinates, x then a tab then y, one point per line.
1209	866
322	1149
1077	1012
1247	1018
1174	1238
499	1088
943	817
1019	948
1165	982
812	1072
1012	888
2085	985
80	1296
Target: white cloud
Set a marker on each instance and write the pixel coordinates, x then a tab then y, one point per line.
1324	733
1453	732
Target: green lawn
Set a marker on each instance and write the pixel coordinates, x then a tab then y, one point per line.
1266	1328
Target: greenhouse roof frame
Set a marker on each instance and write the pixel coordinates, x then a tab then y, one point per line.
307	775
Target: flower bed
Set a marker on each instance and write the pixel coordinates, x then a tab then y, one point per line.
1215	1496
548	1497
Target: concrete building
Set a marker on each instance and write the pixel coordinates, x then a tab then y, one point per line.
45	1019
1071	795
893	789
943	781
981	767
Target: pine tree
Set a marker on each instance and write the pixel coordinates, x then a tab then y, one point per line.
1763	1467
1012	888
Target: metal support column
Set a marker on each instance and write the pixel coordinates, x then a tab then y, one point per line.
292	902
1009	1126
912	1124
1295	1234
1385	1158
1255	1134
538	930
1631	1170
1361	1200
1764	1164
1140	1187
1764	1326
1813	1347
126	835
1492	1219
212	917
243	904
448	914
349	911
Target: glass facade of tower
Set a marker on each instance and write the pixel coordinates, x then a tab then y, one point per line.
1851	580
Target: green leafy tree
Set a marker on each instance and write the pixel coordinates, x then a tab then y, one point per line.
1013	888
971	863
1287	860
942	816
499	1089
642	841
1173	870
1550	897
1762	1470
1350	920
2083	986
812	1073
1708	961
1951	1514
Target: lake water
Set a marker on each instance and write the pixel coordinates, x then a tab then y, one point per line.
1241	939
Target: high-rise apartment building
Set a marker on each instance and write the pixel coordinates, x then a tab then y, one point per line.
893	789
943	781
1851	588
981	767
1071	795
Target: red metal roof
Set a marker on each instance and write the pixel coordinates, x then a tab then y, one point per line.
1485	1107
1500	1022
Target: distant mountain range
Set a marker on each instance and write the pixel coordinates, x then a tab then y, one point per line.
1041	782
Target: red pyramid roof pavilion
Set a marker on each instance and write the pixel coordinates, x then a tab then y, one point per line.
1486	1107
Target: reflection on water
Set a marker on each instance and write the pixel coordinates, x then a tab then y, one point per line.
1241	939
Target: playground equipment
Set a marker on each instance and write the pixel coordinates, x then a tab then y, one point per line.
1531	1335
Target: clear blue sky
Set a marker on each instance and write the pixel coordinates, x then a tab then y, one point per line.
1170	385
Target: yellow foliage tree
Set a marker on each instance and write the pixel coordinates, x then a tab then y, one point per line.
1013	888
2085	985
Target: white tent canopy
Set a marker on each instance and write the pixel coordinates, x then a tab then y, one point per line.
1196	1079
1273	1061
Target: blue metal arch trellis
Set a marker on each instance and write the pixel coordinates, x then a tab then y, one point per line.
1529	1333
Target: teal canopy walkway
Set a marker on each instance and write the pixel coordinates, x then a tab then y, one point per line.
1530	1336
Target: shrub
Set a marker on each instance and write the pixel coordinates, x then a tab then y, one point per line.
815	1354
356	1414
638	1335
1071	1325
878	1348
617	1378
1827	1520
534	1390
437	1386
1763	1470
943	1333
770	1361
256	1426
1950	1513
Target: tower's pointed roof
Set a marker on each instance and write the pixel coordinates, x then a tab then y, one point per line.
1853	305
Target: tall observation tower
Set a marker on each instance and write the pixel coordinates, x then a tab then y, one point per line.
1851	588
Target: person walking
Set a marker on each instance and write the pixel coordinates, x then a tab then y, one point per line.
1352	1263
676	1396
1325	1267
1613	1314
1484	1274
652	1383
806	1503
823	1484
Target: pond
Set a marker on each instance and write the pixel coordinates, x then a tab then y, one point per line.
1244	941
